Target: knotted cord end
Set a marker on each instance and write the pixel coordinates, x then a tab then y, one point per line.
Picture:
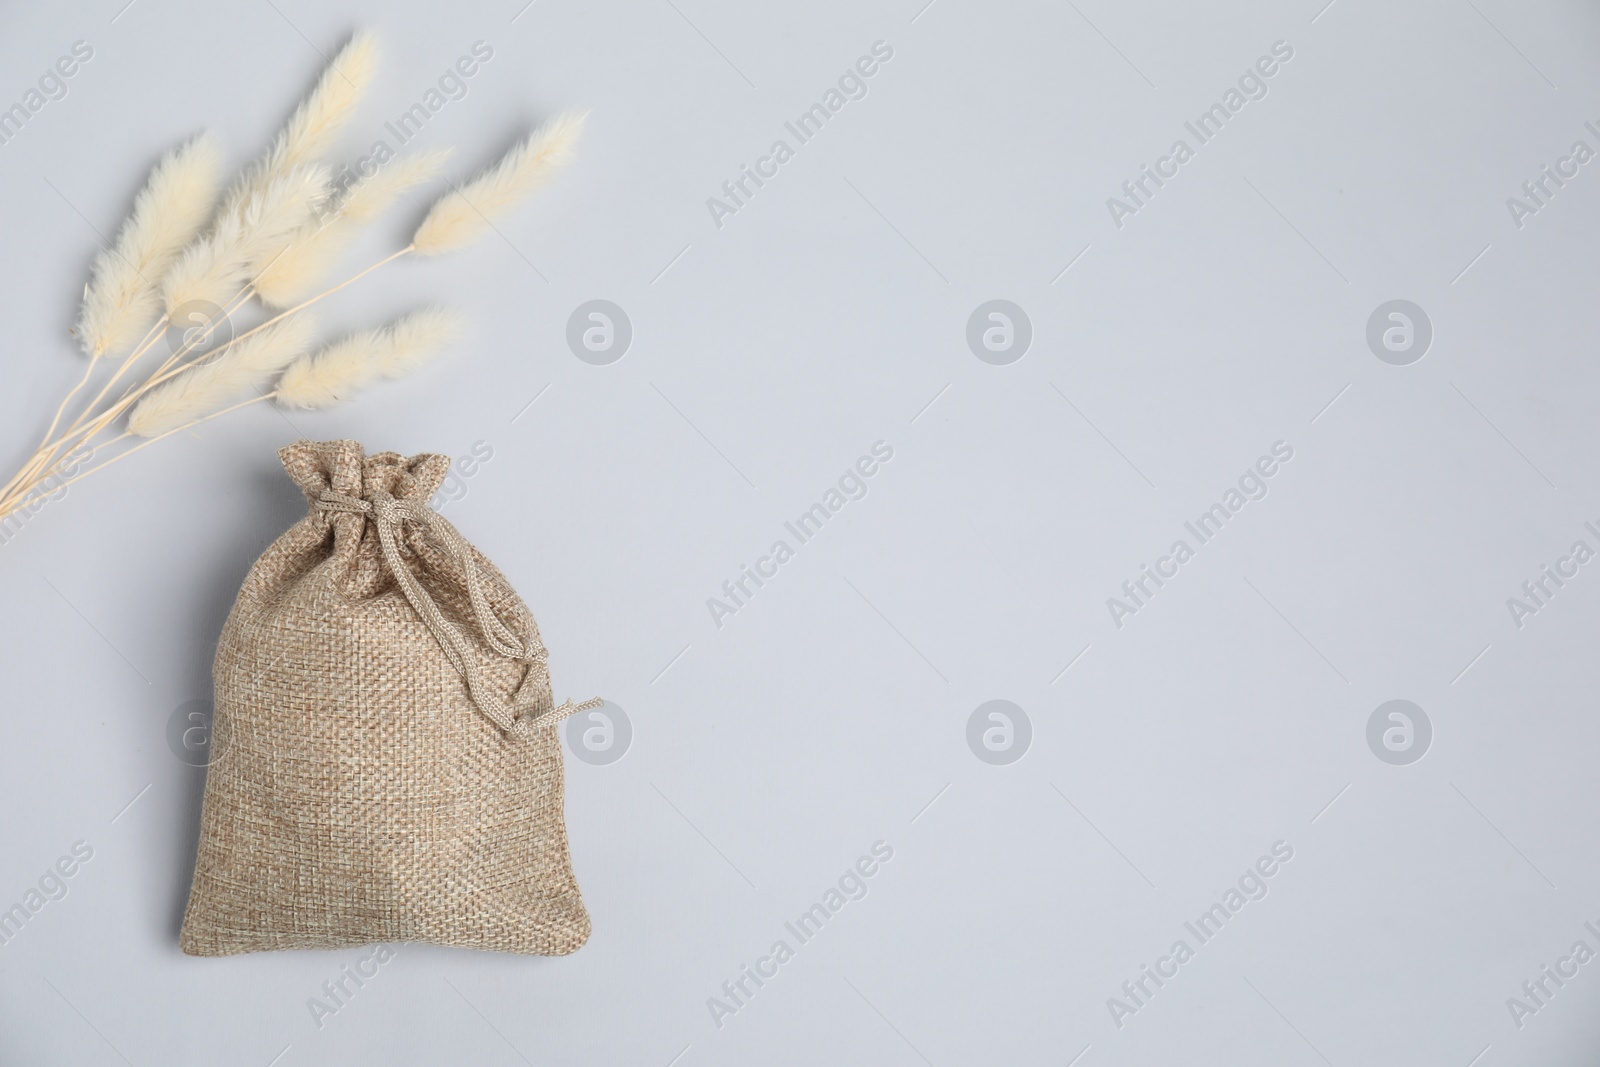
525	726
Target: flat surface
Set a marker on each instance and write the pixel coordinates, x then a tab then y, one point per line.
1168	745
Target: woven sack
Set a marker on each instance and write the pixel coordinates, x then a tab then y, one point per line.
385	763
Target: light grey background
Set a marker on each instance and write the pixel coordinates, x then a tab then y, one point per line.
831	711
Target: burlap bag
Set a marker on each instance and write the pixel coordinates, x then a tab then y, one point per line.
385	764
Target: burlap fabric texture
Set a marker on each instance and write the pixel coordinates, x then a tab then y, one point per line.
385	763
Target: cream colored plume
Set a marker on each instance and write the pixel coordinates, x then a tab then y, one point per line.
201	390
121	300
250	230
311	130
336	372
465	214
371	197
259	215
311	255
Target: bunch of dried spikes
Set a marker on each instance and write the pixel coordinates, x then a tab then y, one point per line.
193	255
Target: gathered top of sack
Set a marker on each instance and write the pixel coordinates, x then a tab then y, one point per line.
385	536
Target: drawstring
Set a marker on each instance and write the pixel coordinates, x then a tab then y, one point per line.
519	718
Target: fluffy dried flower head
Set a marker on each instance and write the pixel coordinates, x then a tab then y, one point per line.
311	255
343	368
323	114
276	196
248	363
468	212
121	299
253	226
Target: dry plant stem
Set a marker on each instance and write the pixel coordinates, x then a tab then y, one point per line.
189	344
157	380
133	392
15	500
80	432
40	455
34	459
94	361
146	444
51	455
27	470
237	301
168	370
144	346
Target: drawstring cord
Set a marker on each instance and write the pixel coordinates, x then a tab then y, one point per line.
522	716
